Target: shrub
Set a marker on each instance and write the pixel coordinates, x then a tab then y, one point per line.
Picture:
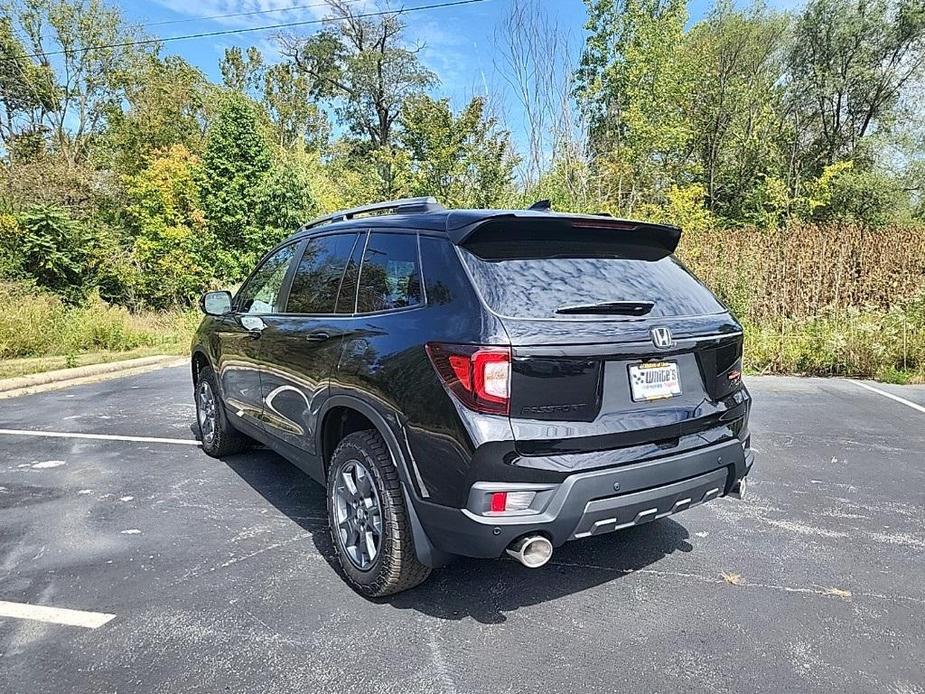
38	323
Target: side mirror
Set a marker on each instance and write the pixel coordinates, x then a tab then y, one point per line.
215	303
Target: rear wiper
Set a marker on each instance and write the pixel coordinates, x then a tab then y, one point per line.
615	308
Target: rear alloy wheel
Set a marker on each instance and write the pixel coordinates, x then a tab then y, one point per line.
217	435
358	514
369	523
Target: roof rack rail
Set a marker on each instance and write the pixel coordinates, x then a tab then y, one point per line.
402	205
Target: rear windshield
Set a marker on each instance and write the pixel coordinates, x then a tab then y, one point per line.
575	274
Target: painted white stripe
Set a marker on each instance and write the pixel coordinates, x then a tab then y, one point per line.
54	615
907	403
96	437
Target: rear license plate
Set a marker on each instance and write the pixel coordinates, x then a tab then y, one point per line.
654	381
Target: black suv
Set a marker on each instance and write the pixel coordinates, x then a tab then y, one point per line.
470	382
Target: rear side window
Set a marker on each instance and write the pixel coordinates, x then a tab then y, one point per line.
571	273
390	277
318	275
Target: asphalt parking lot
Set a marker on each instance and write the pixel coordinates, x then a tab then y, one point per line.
200	575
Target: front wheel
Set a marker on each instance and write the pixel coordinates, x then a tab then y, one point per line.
369	523
217	435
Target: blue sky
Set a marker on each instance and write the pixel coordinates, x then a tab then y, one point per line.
459	41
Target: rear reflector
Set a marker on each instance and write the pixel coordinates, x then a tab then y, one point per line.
479	376
506	502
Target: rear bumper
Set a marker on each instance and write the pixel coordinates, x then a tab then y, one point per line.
589	503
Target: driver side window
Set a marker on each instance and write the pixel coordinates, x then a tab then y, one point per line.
261	292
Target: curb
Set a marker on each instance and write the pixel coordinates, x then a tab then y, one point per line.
63	378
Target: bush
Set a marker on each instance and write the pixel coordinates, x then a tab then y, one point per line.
886	345
38	323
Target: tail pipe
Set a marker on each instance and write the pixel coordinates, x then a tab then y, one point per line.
533	551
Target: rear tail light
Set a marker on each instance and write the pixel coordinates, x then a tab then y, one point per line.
507	502
479	376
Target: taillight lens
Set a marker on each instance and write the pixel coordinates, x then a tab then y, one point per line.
480	376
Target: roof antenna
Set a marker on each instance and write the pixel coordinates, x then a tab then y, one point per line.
541	206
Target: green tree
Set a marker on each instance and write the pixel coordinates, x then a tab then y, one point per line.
54	250
363	63
296	189
287	97
634	83
236	157
735	104
171	248
26	93
849	63
242	71
464	160
166	103
81	50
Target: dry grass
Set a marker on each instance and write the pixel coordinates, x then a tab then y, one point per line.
824	300
37	324
806	270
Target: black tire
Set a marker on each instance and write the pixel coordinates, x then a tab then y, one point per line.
223	439
395	566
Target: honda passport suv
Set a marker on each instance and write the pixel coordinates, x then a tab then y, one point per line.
477	382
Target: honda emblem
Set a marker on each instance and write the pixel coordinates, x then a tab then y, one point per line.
661	337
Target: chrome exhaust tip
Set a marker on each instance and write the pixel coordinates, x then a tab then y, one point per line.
533	551
738	489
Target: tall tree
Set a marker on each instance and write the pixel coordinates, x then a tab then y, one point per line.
634	83
166	103
236	158
27	93
241	71
80	47
849	62
735	105
288	97
465	160
365	65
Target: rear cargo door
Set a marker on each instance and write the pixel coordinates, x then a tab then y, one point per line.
614	342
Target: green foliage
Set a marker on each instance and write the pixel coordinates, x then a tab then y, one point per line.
295	190
53	249
166	104
465	160
171	250
866	196
236	157
849	62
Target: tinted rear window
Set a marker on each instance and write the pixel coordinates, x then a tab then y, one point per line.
390	277
318	276
525	275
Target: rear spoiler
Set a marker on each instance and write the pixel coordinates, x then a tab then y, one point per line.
461	225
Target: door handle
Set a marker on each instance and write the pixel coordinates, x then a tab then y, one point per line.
318	336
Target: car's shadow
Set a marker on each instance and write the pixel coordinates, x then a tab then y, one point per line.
485	590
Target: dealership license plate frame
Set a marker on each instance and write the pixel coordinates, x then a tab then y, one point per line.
645	389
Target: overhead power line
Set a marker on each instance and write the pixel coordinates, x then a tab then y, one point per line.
245	30
252	13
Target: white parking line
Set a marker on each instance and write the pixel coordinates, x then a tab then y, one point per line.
100	437
907	403
54	615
